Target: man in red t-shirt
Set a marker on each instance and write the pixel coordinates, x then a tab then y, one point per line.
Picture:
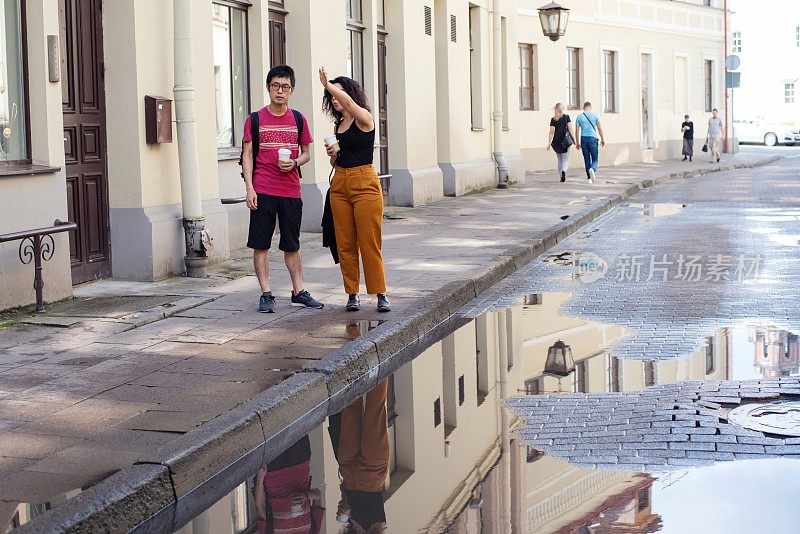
273	189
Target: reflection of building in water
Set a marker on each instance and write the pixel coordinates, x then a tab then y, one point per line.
562	498
776	352
13	515
447	473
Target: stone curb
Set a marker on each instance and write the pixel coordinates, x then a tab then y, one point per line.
246	437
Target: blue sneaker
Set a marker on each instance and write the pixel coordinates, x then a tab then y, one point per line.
266	304
305	300
383	303
353	303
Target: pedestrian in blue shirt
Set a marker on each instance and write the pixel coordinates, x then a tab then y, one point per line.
590	138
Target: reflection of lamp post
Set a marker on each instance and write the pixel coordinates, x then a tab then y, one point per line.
554	19
559	360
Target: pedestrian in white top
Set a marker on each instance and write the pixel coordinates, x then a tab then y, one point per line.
714	136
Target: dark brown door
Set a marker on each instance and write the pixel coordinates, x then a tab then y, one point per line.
277	38
383	89
83	104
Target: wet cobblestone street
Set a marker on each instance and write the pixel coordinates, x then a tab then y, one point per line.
674	267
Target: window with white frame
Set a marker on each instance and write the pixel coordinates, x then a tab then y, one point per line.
708	84
475	64
610	73
527	76
788	92
13	97
355	40
574	78
231	73
736	43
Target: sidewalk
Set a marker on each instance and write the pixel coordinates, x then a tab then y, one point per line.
100	382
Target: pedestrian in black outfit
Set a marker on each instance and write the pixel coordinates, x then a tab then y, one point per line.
688	138
561	137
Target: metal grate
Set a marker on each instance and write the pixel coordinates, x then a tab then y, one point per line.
453	34
428	21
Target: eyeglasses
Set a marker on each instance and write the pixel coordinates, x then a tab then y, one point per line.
285	87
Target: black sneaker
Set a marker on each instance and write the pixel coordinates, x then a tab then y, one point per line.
383	303
563	177
266	304
353	304
305	300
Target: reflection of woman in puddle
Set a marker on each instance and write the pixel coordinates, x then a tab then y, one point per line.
285	502
360	441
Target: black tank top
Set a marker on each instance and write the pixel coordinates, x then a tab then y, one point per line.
356	147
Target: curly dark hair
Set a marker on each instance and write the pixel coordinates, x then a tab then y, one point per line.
352	88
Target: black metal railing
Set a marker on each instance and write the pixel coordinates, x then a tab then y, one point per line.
37	246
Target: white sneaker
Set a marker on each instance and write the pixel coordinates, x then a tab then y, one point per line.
592	176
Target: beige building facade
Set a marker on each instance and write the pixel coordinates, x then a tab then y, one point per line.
76	73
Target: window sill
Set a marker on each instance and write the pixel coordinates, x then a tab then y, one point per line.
474	129
227	154
396	479
27	170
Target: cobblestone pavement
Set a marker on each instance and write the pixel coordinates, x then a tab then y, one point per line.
663	427
682	261
81	400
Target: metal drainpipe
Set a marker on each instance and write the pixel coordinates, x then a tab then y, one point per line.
193	221
726	148
505	340
497	96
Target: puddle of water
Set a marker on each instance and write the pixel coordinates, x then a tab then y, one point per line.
658	209
456	462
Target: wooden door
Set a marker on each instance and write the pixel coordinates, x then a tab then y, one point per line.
277	38
383	90
83	106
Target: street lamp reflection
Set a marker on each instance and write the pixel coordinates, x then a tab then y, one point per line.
559	362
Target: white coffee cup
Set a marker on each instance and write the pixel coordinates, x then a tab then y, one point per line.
284	154
343	518
331	140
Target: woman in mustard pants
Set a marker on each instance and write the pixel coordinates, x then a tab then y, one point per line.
356	196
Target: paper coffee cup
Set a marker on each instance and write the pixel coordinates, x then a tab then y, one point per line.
343	519
284	154
331	140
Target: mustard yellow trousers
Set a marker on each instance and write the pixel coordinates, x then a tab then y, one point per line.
357	205
364	442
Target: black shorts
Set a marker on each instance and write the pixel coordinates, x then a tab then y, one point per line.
289	212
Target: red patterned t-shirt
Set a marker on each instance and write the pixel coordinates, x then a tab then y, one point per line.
276	132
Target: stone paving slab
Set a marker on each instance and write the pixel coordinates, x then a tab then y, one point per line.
672	422
423	259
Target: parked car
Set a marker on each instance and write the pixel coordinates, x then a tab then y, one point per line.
770	133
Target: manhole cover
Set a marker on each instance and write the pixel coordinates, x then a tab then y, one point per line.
780	417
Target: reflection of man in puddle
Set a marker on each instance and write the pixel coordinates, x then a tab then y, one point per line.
284	500
360	441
